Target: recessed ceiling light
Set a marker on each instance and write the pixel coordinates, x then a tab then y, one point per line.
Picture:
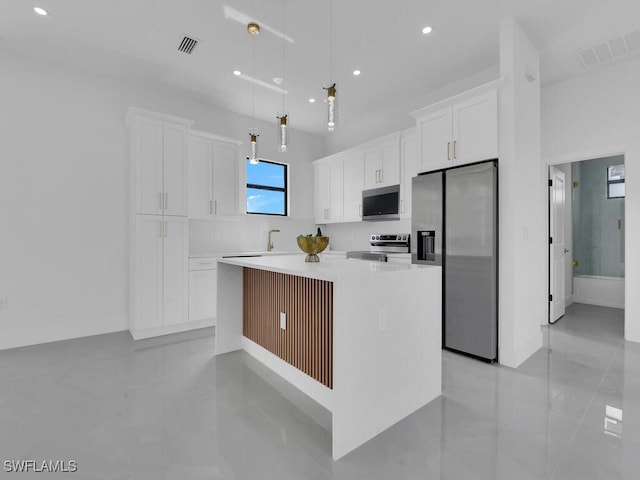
312	100
277	80
237	73
356	72
427	30
40	11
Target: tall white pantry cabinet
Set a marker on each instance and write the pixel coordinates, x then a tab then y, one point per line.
158	223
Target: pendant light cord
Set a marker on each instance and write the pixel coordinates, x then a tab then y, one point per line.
253	80
282	57
331	41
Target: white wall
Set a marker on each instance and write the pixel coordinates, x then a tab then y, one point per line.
64	188
523	290
598	114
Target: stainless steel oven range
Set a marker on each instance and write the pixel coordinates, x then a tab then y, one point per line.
380	244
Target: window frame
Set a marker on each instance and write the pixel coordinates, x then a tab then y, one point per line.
615	182
284	190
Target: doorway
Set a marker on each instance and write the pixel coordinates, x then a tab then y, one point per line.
586	234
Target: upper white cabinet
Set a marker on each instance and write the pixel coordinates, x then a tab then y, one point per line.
159	149
353	183
408	170
382	162
213	176
328	190
464	132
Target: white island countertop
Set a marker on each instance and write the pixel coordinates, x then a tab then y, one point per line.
330	267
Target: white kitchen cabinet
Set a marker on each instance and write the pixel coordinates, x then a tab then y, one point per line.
353	183
464	132
328	190
203	289
159	151
408	170
159	288
213	176
475	129
382	163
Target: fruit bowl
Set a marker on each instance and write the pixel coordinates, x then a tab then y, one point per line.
312	245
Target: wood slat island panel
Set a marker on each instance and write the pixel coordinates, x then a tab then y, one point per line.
307	341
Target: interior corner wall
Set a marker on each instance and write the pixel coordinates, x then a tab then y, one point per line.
64	183
597	114
522	232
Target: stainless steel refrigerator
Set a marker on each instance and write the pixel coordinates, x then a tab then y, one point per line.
455	225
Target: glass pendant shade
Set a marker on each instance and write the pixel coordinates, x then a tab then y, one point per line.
331	107
253	159
283	134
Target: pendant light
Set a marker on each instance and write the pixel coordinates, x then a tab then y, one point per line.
331	90
254	30
283	134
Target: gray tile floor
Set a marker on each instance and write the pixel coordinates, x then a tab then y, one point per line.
167	409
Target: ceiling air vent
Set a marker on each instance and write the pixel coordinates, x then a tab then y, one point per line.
187	44
609	50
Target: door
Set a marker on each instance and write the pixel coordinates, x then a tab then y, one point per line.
372	167
408	170
202	294
434	133
557	247
475	130
176	148
470	265
427	216
148	157
200	177
321	191
225	178
353	182
336	201
175	270
390	169
148	277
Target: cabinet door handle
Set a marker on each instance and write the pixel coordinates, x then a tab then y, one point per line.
160	201
166	201
454	149
210	207
381	177
215	207
448	150
160	229
166	229
401	206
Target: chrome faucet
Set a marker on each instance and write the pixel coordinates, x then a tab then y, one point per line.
270	242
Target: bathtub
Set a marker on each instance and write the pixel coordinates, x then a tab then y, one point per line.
597	290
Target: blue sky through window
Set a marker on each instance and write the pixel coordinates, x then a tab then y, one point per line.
272	199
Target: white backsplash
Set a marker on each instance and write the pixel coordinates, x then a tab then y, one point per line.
355	236
245	233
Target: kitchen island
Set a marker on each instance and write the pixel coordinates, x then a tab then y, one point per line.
363	339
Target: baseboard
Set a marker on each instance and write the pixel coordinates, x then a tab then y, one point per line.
568	301
168	330
597	303
37	336
510	357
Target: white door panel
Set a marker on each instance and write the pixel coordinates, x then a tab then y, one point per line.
557	245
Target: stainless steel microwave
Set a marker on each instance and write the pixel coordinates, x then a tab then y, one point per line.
381	203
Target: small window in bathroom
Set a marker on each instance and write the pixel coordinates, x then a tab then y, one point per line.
615	181
267	188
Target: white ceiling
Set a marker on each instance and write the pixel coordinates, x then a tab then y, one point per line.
138	39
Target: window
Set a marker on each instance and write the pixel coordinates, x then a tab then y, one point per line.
267	188
615	181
